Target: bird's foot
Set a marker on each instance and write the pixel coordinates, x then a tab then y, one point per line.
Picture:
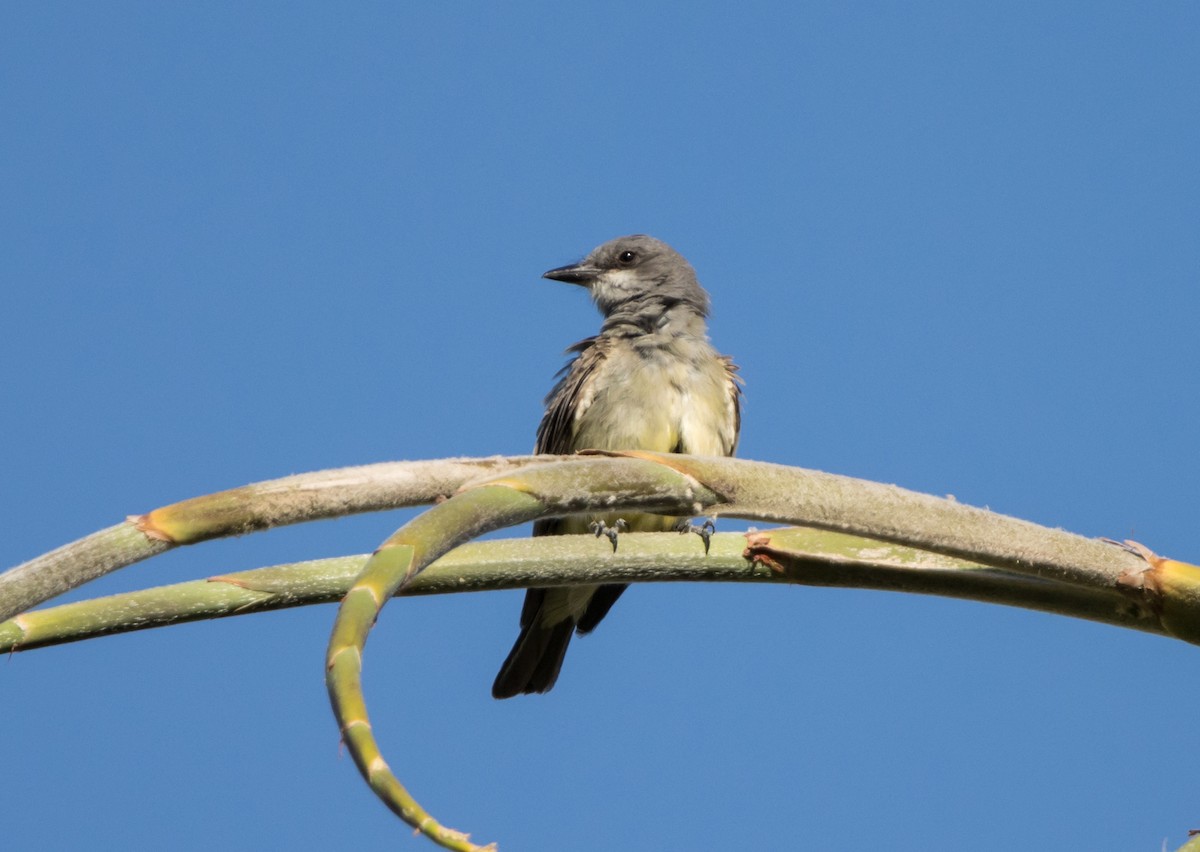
704	530
600	528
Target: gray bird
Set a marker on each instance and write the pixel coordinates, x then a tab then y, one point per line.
649	381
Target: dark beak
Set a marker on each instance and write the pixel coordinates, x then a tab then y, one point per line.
575	274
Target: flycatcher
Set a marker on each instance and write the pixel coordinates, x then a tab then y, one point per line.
649	381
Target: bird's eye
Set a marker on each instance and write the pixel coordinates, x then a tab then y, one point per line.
626	258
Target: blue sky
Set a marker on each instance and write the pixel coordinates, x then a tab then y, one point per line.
952	247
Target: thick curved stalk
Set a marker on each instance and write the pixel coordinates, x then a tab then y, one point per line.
759	490
797	555
698	486
290	500
531	493
1038	567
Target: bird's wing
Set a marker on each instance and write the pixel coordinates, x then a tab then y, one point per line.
566	402
733	405
570	398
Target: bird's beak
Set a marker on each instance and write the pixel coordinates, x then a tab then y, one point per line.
578	273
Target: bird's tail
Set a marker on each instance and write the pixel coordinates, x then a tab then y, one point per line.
535	660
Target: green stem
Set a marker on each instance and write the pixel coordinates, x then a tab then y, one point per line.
803	555
675	485
304	497
526	495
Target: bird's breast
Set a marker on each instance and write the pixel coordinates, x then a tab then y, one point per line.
658	399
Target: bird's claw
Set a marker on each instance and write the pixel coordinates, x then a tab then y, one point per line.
600	528
704	530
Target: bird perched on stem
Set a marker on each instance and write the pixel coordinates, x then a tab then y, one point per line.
649	381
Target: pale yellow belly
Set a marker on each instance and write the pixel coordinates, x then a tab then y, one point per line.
670	407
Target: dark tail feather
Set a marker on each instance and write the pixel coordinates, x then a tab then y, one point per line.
534	662
599	606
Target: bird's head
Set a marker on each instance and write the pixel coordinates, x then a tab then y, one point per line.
635	272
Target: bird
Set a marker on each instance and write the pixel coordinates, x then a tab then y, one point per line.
650	380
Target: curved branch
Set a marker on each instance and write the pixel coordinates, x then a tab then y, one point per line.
674	485
1037	567
537	491
290	500
790	555
766	491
